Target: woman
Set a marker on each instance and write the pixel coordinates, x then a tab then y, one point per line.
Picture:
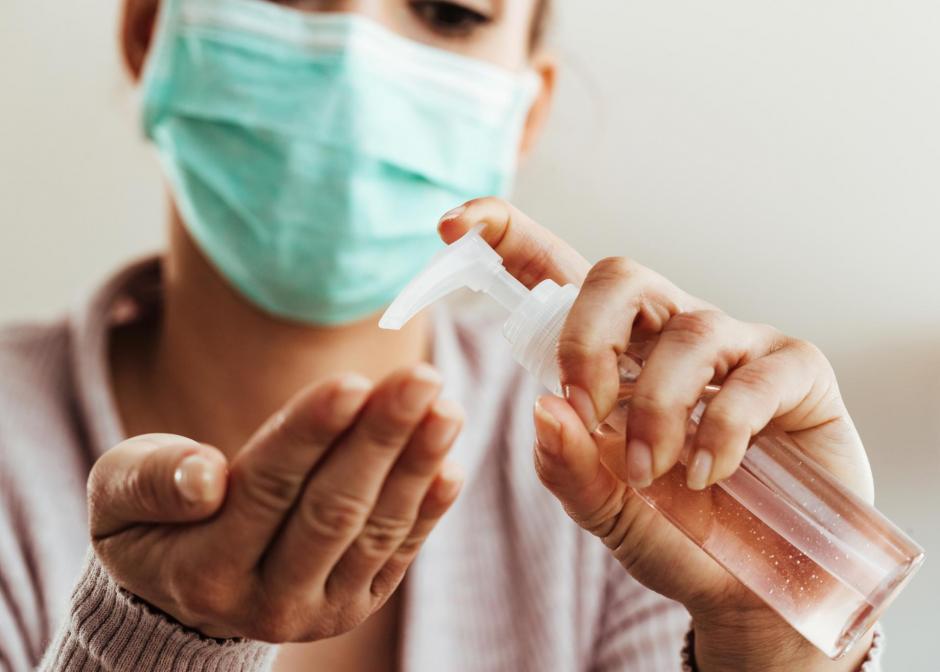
263	464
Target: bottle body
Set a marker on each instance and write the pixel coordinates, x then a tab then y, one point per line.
822	558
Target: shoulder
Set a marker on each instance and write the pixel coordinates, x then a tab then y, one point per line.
24	344
40	426
34	370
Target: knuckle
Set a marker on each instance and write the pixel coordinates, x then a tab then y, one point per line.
614	269
270	489
603	519
388	432
382	535
575	347
334	515
313	418
286	427
722	421
724	432
810	350
776	339
751	380
410	546
694	327
536	266
628	529
652	401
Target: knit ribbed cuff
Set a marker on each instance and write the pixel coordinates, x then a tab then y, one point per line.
107	628
872	661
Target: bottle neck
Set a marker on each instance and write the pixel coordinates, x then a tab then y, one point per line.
534	327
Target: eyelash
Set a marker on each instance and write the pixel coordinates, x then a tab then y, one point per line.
449	18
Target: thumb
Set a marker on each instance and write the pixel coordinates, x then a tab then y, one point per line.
570	464
154	478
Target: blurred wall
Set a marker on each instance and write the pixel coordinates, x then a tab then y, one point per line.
777	158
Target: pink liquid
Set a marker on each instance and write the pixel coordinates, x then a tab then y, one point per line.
823	559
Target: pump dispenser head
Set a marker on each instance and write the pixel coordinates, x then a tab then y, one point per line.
536	317
468	262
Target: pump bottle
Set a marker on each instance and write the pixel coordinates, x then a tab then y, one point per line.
821	557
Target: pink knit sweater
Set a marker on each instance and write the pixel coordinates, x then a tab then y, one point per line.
507	582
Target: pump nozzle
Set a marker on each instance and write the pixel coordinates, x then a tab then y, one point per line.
535	318
468	262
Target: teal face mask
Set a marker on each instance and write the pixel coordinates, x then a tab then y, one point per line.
311	154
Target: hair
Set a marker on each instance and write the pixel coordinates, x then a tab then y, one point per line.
540	23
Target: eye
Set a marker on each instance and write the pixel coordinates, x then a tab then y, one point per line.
449	18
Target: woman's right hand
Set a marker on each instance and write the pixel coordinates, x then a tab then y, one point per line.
305	533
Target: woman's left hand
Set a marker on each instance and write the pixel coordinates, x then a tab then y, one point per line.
764	375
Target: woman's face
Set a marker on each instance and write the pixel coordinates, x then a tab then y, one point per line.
497	31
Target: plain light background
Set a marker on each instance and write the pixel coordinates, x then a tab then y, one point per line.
780	159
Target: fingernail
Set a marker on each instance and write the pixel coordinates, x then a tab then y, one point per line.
548	430
424	378
354	382
583	405
639	464
700	470
451	480
195	479
445	423
453	214
348	395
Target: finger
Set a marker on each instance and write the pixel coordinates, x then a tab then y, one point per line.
695	349
393	517
268	475
620	301
530	252
437	501
569	464
154	478
582	476
338	498
791	384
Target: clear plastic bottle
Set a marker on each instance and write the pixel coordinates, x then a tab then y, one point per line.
825	560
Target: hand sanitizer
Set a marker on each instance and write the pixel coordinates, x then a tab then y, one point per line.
822	558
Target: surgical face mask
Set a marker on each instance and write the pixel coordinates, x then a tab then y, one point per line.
311	154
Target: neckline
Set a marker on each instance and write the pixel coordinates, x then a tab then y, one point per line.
118	300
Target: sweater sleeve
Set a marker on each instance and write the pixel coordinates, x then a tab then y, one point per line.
107	628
